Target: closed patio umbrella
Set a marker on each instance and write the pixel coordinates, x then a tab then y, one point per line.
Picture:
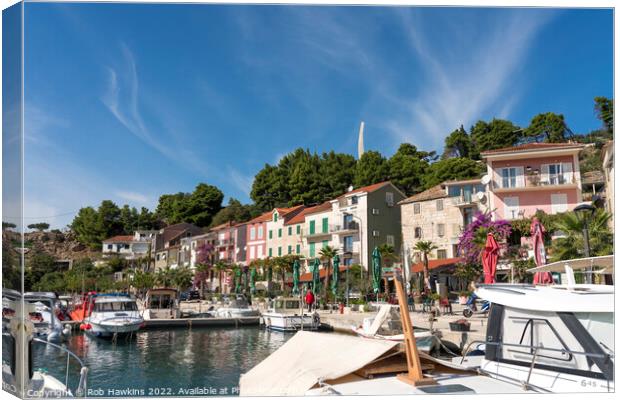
376	270
296	277
253	281
490	254
316	279
540	255
336	262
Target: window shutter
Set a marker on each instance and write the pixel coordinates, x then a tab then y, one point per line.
544	174
312	227
520	177
567	171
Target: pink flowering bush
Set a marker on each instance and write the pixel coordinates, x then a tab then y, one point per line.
474	236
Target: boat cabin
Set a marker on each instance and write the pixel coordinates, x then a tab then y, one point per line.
161	303
285	305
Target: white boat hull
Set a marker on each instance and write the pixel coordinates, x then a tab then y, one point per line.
290	323
110	327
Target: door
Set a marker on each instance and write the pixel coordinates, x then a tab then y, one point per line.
511	207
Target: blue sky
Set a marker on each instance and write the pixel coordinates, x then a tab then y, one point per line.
127	102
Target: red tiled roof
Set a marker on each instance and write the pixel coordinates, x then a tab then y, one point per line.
225	225
432	264
436	192
119	239
532	147
368	189
461	182
300	218
284	212
261	218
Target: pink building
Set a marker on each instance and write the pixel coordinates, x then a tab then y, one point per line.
225	242
534	176
256	238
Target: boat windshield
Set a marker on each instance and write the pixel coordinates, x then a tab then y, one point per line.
287	304
161	301
116	306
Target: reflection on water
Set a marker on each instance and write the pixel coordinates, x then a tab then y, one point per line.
164	359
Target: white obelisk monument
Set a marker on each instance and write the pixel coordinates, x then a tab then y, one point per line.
360	142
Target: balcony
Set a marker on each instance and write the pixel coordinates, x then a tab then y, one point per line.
345	228
319	233
225	242
463	201
534	182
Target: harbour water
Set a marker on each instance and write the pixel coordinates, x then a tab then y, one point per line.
171	362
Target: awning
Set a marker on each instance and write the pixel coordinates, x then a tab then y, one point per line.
307	359
606	262
434	264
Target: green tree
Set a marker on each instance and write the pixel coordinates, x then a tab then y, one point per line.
336	174
41	226
234	212
549	126
128	218
182	278
572	244
197	207
452	168
407	167
459	144
327	254
304	181
36	266
164	277
371	168
496	134
605	112
87	229
11	273
388	254
8	225
269	188
426	247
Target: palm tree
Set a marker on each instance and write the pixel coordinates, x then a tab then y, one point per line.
388	254
181	277
164	277
425	247
327	253
220	267
572	245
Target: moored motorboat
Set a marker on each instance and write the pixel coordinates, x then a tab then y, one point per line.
160	303
237	308
113	314
47	326
287	314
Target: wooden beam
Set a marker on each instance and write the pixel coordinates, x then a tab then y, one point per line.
414	374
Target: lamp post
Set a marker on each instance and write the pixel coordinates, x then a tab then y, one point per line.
584	212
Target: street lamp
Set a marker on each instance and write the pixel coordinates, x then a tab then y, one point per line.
584	212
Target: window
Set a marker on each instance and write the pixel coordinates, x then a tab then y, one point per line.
259	252
252	233
346	221
559	203
260	232
375	233
439	204
353	199
416	208
279	232
441	254
325	244
109	247
312	249
279	251
511	207
312	223
441	230
375	211
389	198
270	234
512	177
270	252
252	252
325	225
553	174
157	257
290	249
348	243
417	232
298	229
275	217
390	240
290	230
297	249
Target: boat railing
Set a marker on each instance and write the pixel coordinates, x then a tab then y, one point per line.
536	355
83	382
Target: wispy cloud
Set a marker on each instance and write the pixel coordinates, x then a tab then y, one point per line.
134	197
122	99
481	79
241	181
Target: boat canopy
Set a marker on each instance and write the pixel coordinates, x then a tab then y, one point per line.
604	262
307	359
554	298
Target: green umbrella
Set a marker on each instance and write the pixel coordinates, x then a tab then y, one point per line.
296	277
376	270
237	280
253	281
336	262
316	280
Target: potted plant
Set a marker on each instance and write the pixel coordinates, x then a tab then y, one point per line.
463	297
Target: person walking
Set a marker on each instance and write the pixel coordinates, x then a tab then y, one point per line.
309	299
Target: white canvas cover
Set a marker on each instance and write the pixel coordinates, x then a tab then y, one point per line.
306	359
380	318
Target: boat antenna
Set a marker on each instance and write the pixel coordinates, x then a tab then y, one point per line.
414	374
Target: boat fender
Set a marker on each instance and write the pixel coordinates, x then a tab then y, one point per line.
87	326
316	319
82	327
67	330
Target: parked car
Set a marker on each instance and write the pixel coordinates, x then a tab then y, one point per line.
190	295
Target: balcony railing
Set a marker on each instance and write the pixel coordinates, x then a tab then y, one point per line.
462	200
535	181
226	242
350	226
